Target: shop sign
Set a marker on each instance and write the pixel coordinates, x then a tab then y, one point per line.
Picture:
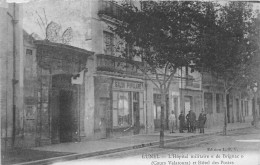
127	85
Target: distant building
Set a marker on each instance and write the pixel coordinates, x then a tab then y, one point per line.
239	102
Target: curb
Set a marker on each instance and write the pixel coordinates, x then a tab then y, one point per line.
133	147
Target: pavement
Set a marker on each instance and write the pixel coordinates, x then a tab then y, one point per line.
112	145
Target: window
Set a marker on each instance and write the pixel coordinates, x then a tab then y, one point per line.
109	43
246	108
29	52
189	80
175	104
208	103
157	106
219	99
122	114
141	102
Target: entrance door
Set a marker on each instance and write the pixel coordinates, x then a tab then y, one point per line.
66	126
136	112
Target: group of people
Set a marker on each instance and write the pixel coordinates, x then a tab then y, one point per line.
191	123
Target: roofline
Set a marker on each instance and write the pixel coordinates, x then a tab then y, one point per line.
62	46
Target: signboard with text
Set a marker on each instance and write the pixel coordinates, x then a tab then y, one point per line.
128	85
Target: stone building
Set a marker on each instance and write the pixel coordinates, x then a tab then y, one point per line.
53	92
118	100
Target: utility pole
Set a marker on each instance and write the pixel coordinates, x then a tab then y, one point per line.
14	81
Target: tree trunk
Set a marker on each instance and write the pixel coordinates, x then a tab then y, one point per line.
225	114
254	109
163	103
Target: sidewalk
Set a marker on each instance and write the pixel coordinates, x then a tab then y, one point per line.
105	146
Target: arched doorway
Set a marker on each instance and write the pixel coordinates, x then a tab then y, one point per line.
64	109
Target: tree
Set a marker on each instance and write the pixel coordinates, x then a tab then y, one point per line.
52	30
163	34
226	48
252	72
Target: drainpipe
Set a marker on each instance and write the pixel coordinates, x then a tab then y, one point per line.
14	81
146	115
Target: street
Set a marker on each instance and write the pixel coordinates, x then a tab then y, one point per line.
238	147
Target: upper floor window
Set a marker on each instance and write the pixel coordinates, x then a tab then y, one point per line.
110	9
29	52
109	43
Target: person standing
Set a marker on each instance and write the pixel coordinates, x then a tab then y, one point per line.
188	121
172	120
182	122
202	120
192	121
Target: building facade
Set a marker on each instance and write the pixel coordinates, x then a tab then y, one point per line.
84	90
118	100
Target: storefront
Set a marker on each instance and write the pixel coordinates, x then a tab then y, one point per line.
128	105
126	99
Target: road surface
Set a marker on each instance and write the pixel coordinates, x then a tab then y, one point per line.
237	148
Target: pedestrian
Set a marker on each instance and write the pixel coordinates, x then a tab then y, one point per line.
182	122
188	121
192	121
202	120
172	120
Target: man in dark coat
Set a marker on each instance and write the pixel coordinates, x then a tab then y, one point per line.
182	122
202	120
188	121
192	120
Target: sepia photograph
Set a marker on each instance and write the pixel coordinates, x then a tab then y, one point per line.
130	82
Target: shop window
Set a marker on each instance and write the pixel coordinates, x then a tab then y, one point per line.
109	43
122	114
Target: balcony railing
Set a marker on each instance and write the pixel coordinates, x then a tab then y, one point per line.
110	9
114	64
